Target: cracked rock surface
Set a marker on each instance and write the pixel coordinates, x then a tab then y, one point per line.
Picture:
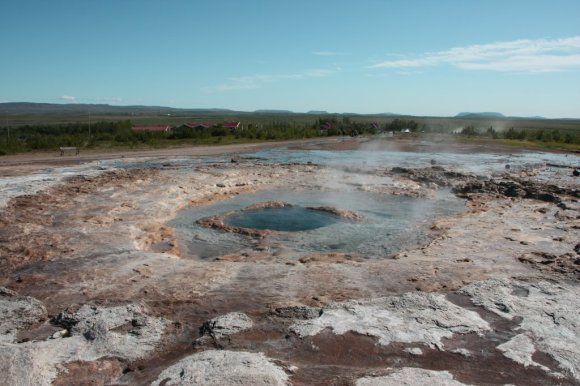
225	325
411	317
409	376
549	313
95	332
18	312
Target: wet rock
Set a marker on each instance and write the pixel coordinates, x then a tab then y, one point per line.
435	174
297	312
564	264
223	368
346	214
410	376
18	313
266	205
411	317
218	223
511	189
548	197
515	188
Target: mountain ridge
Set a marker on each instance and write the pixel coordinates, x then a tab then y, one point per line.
485	114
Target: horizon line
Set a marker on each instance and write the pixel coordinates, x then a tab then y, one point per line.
309	112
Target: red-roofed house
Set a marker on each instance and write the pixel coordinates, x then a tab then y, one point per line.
199	125
231	125
326	126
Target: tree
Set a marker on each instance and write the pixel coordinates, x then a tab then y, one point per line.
470	131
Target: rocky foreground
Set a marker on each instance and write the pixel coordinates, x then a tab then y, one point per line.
97	289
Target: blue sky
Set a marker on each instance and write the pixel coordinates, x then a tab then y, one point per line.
368	56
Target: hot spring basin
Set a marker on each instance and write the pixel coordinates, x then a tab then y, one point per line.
387	223
285	219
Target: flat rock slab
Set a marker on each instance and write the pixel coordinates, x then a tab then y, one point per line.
217	368
549	313
225	325
411	317
123	332
410	376
18	312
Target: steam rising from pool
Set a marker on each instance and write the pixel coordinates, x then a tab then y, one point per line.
389	223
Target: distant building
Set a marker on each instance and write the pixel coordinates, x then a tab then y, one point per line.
189	125
326	126
195	125
207	125
164	128
231	125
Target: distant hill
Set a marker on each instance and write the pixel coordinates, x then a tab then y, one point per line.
389	115
29	108
268	111
62	112
480	115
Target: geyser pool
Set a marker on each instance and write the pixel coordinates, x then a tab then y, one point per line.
286	219
389	224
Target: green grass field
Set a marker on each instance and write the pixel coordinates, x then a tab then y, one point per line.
112	130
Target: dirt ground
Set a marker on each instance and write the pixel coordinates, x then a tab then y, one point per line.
98	289
18	164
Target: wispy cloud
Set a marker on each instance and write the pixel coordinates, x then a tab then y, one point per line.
541	55
320	72
68	98
330	53
105	99
256	81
